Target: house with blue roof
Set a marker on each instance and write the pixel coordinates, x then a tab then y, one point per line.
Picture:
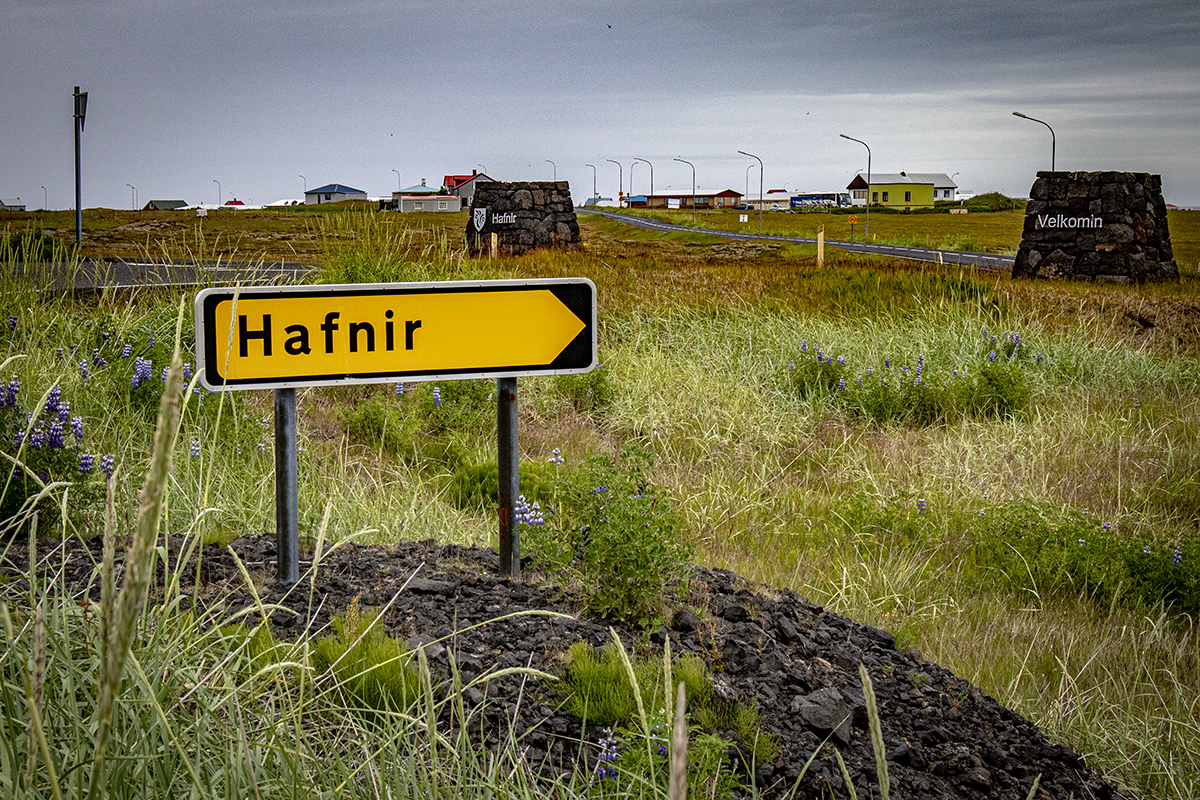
332	193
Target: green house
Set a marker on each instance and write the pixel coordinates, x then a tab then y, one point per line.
902	190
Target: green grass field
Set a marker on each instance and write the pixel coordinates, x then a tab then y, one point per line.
1002	536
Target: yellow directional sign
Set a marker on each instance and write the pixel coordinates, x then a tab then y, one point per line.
273	337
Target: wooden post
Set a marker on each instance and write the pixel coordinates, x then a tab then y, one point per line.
820	246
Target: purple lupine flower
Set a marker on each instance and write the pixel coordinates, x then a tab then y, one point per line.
97	359
52	398
870	370
1081	542
555	456
841	384
599	490
195	449
87	463
10	393
64	411
12	324
920	363
109	465
860	380
904	369
105	337
142	369
400	389
1178	557
887	363
37	439
55	438
920	505
841	360
804	345
187	371
791	365
127	351
77	428
83	369
992	357
437	397
59	355
150	340
261	448
165	371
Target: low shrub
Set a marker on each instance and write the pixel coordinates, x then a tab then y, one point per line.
1045	549
994	386
615	530
372	667
40	447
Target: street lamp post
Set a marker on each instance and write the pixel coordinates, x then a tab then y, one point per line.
620	180
399	188
760	187
218	183
644	161
864	144
1047	124
45	200
132	196
555	166
595	199
305	183
955	185
482	168
693	166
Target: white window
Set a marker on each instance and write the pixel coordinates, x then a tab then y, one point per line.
442	205
418	206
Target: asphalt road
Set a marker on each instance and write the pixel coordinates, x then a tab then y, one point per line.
983	261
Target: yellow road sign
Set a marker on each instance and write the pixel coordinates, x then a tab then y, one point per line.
273	337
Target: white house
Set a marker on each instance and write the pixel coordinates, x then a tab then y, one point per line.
15	204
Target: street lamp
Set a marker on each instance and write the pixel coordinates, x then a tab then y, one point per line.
864	144
132	196
482	168
555	169
693	166
595	199
760	186
1047	124
218	183
620	180
45	200
399	188
305	183
956	186
644	161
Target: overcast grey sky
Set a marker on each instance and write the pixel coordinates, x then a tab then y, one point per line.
256	94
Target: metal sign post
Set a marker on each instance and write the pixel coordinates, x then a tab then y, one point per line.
508	472
281	338
287	491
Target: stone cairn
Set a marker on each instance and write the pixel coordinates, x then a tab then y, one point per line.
525	216
1098	226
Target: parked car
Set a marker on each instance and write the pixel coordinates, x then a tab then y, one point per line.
778	207
743	206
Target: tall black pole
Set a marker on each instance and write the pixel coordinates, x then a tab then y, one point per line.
78	192
509	475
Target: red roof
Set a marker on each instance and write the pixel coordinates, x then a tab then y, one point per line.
452	182
234	203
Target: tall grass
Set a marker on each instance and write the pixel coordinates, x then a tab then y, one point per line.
793	490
